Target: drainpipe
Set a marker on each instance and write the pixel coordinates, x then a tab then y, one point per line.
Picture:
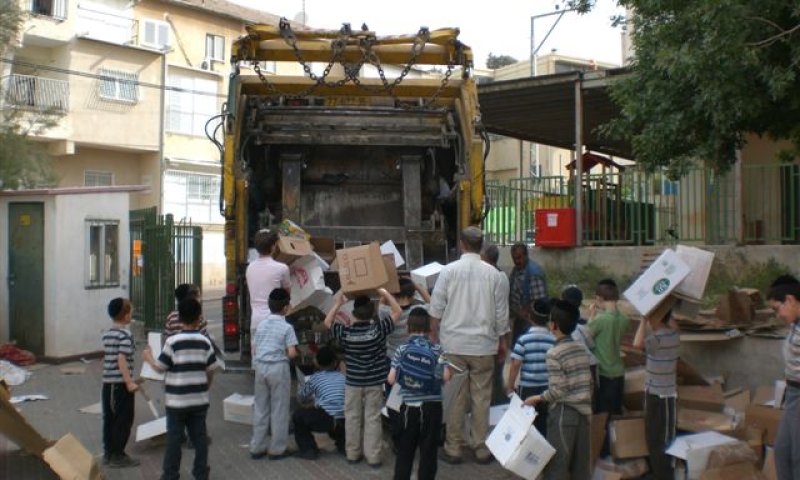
738	190
579	161
161	123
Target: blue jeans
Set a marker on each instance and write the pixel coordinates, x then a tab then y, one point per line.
787	440
193	420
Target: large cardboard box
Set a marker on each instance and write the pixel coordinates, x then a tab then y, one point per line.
291	249
388	247
426	275
393	284
308	284
627	438
634	388
324	247
71	461
516	444
739	471
697	397
657	282
701	420
238	408
765	417
361	269
694	449
700	261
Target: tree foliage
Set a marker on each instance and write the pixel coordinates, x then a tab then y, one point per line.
705	74
498	61
24	163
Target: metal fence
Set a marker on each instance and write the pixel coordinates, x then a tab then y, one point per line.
163	255
42	94
634	207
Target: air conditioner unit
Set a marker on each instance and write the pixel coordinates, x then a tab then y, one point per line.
206	64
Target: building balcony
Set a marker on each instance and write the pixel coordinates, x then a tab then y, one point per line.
113	26
46	95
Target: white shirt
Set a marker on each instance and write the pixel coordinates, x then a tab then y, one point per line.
263	276
465	298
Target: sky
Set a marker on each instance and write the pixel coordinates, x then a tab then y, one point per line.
502	27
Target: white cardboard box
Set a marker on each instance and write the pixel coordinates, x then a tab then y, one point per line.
308	283
148	372
695	449
389	247
657	282
516	444
151	429
238	408
426	275
699	262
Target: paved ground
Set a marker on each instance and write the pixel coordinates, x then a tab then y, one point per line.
229	456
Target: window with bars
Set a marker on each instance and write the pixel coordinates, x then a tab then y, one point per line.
102	253
191	105
192	195
119	86
215	47
97	178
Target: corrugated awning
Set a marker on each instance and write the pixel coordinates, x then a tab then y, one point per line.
542	109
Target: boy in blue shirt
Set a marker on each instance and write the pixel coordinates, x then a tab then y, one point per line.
417	369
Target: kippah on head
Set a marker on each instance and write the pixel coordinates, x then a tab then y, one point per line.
279	295
115	307
360	301
541	307
573	295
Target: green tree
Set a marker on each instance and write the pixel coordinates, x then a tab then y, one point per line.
494	62
705	74
24	163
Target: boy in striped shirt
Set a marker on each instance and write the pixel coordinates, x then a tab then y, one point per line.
189	361
569	395
529	356
173	324
364	344
661	342
118	386
326	390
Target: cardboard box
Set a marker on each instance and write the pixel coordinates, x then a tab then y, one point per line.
361	269
151	429
238	408
393	284
148	372
631	468
764	395
388	247
634	388
765	417
738	402
600	473
291	249
739	471
71	461
16	428
694	449
701	420
699	261
516	444
697	397
324	247
426	275
731	454
627	438
657	282
598	429
308	284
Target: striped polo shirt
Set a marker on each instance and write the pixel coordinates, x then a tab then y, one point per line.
662	350
272	337
186	357
569	376
115	341
326	387
531	349
364	345
174	325
791	354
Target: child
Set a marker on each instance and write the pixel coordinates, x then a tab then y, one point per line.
529	356
274	344
189	361
416	368
784	298
406	298
582	335
364	344
607	326
326	389
173	324
569	395
118	386
661	345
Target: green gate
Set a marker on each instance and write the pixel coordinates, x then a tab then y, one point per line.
163	255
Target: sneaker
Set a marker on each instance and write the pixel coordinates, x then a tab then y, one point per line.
353	461
307	454
257	455
281	456
122	461
451	459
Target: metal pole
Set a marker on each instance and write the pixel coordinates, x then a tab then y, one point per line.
533	50
579	160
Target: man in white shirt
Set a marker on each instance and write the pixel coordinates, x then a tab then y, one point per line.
466	307
264	275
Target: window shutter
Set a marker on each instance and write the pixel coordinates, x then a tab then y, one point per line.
163	35
60	9
219	47
149	32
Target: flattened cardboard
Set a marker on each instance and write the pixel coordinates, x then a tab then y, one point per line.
695	397
291	249
361	268
16	428
657	282
151	429
148	372
700	262
627	438
71	461
701	420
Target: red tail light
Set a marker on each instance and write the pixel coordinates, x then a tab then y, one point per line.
230	323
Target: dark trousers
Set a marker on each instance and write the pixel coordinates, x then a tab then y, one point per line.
309	420
568	432
421	427
660	420
118	405
541	410
608	397
193	420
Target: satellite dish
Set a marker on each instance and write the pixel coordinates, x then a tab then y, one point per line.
301	18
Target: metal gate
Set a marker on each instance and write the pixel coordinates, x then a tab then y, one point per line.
163	255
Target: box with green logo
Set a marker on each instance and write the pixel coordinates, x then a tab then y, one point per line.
657	282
